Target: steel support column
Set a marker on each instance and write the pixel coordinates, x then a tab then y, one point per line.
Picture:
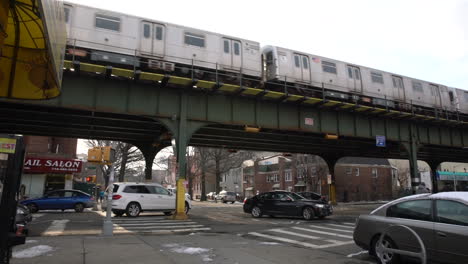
331	162
412	149
434	165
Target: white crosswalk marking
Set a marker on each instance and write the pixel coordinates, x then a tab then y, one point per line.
322	232
333	229
56	228
155	225
348	223
331	235
341	226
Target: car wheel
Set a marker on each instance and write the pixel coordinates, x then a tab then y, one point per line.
133	210
308	213
257	212
167	213
79	207
33	208
388	258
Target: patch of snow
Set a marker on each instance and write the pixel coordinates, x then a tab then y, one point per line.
207	258
33	251
269	243
189	250
192	234
357	254
31	241
170	245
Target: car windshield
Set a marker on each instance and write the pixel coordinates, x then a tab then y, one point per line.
296	196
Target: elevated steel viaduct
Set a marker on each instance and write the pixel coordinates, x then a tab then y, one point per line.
150	110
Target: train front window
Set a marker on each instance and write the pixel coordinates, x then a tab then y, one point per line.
108	22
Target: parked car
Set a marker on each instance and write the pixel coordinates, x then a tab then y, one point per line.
440	220
61	200
133	198
22	219
313	196
287	204
174	190
211	195
226	197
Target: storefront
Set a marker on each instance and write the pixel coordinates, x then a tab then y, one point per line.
42	175
452	181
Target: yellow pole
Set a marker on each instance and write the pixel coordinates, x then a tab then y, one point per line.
180	201
4	8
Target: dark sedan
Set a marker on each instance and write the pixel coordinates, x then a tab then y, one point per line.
313	196
61	200
287	204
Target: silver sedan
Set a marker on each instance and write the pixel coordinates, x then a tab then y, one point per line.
440	220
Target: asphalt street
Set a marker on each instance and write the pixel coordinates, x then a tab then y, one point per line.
223	233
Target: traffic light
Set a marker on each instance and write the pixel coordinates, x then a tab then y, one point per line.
108	154
91	179
95	155
101	155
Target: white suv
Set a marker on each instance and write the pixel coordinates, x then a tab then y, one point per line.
134	198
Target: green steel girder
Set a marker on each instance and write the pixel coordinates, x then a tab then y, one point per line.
132	111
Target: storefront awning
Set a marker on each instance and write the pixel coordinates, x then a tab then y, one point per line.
299	184
32	43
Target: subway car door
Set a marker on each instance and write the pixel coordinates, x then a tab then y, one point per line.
305	69
435	93
301	70
152	40
232	54
398	88
354	79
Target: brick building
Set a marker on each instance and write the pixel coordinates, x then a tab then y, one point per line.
364	179
50	163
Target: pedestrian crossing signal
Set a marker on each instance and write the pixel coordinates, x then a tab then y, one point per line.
91	179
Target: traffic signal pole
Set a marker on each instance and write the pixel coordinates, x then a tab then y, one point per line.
108	227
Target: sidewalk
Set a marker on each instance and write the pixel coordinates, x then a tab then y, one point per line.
86	250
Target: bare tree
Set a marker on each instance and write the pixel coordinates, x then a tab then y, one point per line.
127	156
200	163
311	168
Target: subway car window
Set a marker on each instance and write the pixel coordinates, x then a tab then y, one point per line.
108	22
296	61
236	48
377	77
417	87
159	33
329	67
194	40
146	30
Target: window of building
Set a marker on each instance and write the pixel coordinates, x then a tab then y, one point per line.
194	40
300	173
288	176
417	87
159	33
416	210
146	31
67	14
377	77
329	67
236	48
357	171
108	22
268	178
275	177
450	212
374	173
297	61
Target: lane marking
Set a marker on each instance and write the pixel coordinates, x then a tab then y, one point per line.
282	239
334	229
348	223
321	232
156	224
146	220
278	230
124	231
342	226
56	227
154	227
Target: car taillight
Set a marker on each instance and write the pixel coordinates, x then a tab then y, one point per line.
116	196
19	229
245	200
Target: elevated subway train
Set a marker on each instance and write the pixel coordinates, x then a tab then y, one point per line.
133	42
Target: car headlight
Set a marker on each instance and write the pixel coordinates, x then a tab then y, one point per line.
320	205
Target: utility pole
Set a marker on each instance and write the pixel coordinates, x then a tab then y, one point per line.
105	156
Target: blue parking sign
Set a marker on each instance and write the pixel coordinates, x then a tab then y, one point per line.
380	141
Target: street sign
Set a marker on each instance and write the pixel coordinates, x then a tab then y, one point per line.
7	145
380	141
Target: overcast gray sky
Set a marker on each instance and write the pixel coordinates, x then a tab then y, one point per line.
425	39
